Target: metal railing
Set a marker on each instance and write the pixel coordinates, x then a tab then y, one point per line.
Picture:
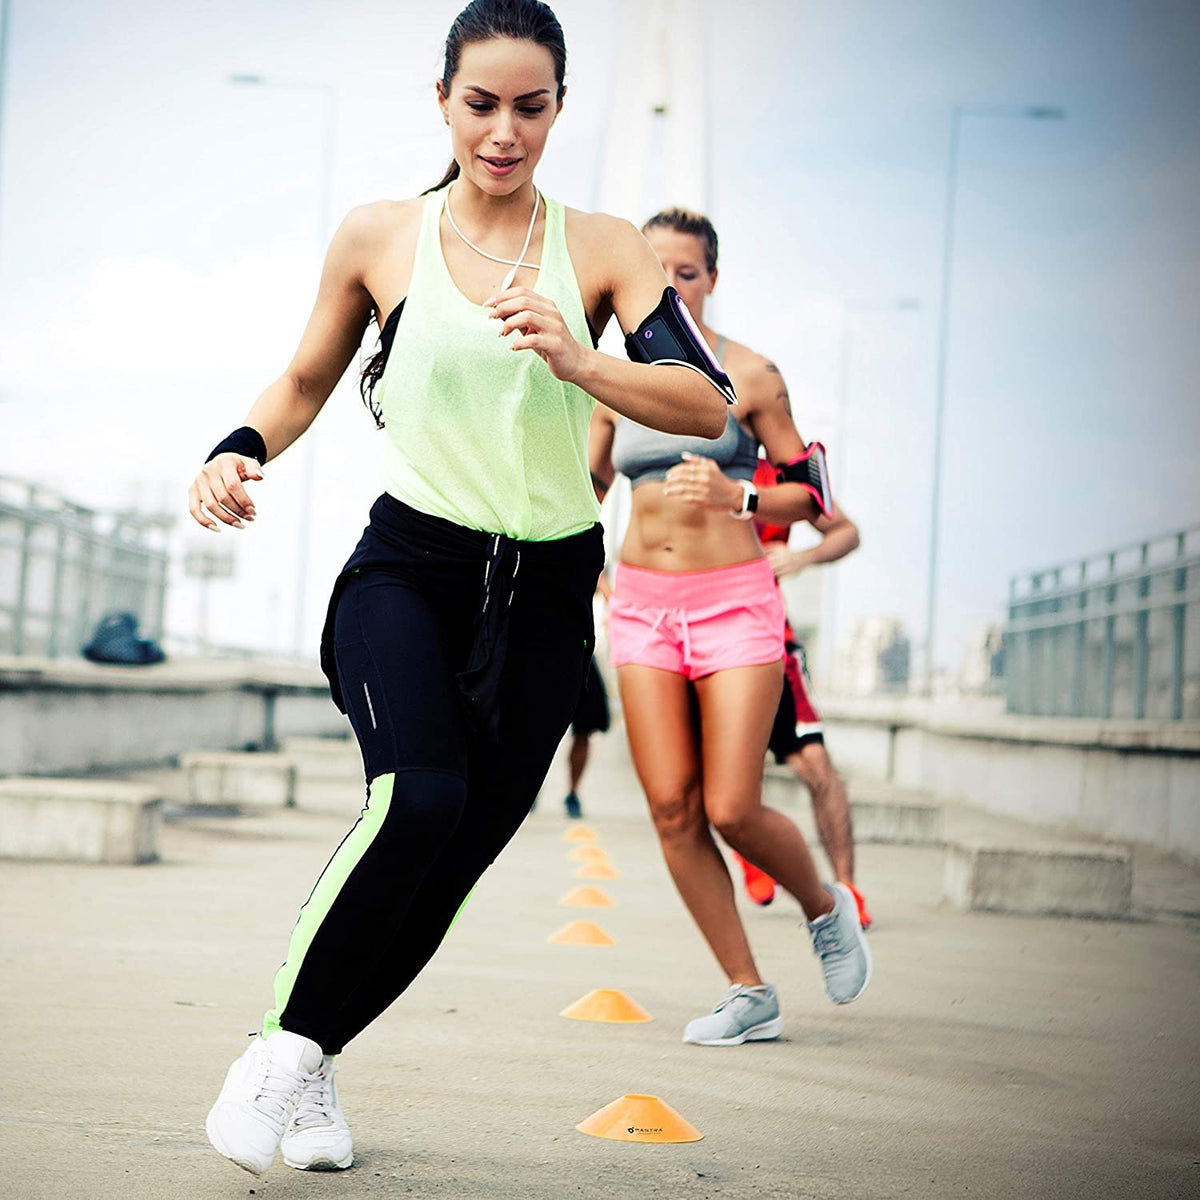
1114	635
62	566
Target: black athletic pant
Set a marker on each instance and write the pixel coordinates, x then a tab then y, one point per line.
444	796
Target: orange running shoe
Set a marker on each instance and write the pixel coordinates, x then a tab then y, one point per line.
760	887
864	917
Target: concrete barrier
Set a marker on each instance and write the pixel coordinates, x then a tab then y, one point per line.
222	779
1126	780
70	716
79	820
1062	880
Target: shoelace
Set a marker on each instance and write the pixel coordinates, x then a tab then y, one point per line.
825	939
736	993
316	1102
276	1088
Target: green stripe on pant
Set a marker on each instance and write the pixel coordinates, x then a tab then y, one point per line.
330	882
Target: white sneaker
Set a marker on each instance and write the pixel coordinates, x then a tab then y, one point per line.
261	1089
317	1137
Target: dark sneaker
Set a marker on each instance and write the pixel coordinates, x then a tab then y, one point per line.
573	807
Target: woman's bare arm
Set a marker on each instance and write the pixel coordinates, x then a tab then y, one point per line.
770	417
839	537
601	432
288	406
672	399
330	339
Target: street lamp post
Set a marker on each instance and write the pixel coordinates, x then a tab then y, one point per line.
309	474
1021	112
3	66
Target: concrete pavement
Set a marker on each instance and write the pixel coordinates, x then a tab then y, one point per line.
992	1056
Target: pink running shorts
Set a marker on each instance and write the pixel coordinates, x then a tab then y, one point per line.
696	622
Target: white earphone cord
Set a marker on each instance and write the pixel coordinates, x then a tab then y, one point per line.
517	263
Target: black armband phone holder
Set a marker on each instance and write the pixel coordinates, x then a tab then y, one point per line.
669	335
245	441
810	471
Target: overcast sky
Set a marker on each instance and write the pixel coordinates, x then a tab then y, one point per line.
160	238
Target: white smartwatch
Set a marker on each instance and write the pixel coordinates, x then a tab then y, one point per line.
749	502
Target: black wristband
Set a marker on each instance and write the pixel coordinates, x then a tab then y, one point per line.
245	441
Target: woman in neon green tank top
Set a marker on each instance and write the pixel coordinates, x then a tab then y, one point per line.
460	629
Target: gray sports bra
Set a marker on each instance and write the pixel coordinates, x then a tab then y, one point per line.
646	455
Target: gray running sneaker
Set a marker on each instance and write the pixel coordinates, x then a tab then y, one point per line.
839	942
746	1014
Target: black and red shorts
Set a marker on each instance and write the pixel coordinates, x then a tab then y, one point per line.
797	722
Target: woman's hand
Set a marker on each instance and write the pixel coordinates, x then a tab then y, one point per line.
783	561
539	327
218	488
698	480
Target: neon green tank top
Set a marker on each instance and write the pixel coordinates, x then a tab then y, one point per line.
477	433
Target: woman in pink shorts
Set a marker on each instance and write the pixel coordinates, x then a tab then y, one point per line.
696	629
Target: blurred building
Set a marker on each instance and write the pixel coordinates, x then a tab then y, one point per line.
983	662
873	659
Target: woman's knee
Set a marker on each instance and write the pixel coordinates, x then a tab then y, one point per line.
677	809
734	818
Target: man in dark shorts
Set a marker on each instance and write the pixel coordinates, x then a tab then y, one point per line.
798	736
590	717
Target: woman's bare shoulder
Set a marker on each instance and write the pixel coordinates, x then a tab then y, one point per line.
602	413
382	219
754	375
594	233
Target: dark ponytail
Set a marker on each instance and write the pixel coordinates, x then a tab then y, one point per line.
453	171
480	21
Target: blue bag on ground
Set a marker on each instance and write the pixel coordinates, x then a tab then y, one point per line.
116	641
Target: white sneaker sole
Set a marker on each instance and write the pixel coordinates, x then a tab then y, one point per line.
860	933
219	1146
322	1164
756	1033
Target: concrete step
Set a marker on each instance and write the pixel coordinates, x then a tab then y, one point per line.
331	754
887	818
1081	880
79	820
897	823
329	772
235	780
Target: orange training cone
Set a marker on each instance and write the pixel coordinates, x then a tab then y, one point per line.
635	1118
582	933
606	1004
587	852
597	870
587	897
581	833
